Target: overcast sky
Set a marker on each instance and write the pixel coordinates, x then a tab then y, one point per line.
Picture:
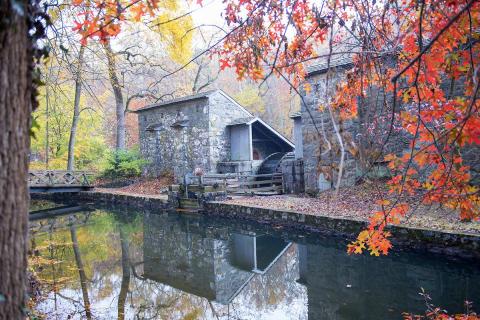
209	13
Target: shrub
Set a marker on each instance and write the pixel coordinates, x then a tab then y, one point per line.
124	164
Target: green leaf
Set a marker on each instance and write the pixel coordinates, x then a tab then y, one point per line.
35	126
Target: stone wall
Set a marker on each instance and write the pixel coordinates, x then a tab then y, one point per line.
177	138
415	239
176	149
320	166
222	112
238	217
368	132
364	137
293	176
471	157
109	199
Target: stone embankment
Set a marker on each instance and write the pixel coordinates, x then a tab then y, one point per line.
461	243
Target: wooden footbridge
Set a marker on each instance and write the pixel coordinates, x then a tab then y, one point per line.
59	181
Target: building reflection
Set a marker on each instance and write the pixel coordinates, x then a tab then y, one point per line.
186	253
340	286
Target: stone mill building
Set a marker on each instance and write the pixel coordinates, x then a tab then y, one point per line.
318	150
209	130
313	127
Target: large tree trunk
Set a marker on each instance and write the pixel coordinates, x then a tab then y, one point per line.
76	109
15	110
117	91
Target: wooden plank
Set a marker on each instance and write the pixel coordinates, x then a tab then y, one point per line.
236	175
246	184
264	175
255	189
218	181
63	171
258	192
220	175
252	183
265	188
267	193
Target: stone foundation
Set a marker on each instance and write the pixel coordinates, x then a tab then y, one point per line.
195	196
452	244
293	176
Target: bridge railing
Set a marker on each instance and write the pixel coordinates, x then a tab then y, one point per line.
50	178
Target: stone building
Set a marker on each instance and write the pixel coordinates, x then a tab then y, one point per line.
320	160
209	130
292	167
315	125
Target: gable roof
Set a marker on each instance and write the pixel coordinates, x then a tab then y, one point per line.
251	120
198	96
323	66
201	95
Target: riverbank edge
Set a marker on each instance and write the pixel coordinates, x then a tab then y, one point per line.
450	243
106	198
420	239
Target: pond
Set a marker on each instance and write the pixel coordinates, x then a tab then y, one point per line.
109	263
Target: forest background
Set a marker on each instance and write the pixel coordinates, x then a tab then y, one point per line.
86	84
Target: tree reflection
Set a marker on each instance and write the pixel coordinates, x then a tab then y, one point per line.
81	271
122	297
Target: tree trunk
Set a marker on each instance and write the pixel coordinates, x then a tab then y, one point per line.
15	111
117	91
76	110
81	271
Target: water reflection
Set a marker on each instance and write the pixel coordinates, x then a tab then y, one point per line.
214	264
130	265
362	287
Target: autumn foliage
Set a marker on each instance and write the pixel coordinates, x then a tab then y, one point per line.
424	54
103	19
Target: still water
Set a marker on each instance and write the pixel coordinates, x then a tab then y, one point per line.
127	264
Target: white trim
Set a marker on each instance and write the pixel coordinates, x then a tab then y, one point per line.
258	271
250	138
255	253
